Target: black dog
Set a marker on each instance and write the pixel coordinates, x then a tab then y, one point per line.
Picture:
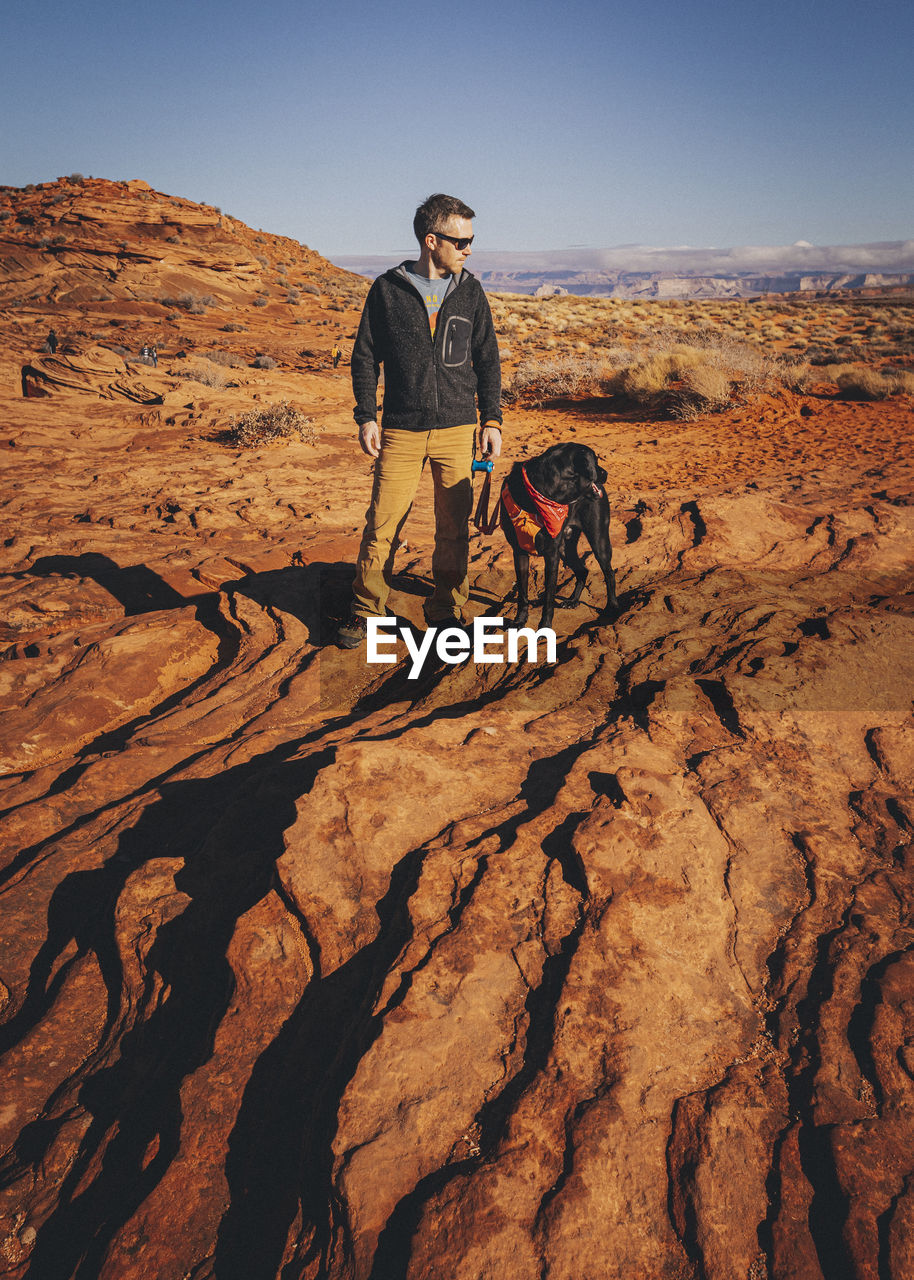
567	474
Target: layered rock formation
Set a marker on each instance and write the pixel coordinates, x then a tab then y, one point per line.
589	970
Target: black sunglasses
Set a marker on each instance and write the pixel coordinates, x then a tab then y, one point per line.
459	242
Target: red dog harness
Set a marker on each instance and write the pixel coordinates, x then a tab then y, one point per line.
546	514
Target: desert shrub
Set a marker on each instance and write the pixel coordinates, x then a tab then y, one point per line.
264	261
233	328
536	381
75	177
645	380
874	384
260	302
797	375
194	303
270	426
292	297
207	374
264	362
173	239
705	389
191	302
311	288
224	358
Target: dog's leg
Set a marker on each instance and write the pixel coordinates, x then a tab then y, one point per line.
595	523
572	558
551	556
522	572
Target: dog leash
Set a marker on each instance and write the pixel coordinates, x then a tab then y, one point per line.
482	521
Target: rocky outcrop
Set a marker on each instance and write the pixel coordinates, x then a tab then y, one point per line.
94	241
500	973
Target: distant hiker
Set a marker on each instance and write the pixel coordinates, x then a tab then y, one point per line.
144	355
155	356
50	341
431	391
336	353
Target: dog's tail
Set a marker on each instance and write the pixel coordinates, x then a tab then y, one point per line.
482	520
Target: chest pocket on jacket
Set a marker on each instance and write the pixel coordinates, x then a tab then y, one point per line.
455	345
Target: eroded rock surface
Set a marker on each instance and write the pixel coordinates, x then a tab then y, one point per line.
590	971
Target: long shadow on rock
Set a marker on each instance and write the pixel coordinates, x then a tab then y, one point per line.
317	594
138	588
280	1153
229	832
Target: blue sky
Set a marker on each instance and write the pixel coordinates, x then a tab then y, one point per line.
664	122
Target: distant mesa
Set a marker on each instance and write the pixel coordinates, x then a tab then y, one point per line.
644	271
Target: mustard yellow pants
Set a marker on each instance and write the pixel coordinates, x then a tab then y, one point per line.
449	452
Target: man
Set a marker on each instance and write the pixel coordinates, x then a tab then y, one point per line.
429	325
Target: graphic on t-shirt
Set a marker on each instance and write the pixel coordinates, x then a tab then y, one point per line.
433	294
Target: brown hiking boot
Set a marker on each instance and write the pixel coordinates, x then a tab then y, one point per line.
353	632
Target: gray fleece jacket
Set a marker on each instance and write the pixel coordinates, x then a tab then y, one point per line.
428	382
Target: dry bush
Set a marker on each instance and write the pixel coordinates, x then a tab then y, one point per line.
644	380
703	374
705	389
194	303
536	381
207	374
263	362
224	358
798	375
270	426
874	384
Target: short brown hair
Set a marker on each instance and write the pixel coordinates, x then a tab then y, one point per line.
436	210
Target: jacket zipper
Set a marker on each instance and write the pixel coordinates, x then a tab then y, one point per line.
433	336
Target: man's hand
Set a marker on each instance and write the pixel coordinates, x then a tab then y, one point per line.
490	441
370	439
